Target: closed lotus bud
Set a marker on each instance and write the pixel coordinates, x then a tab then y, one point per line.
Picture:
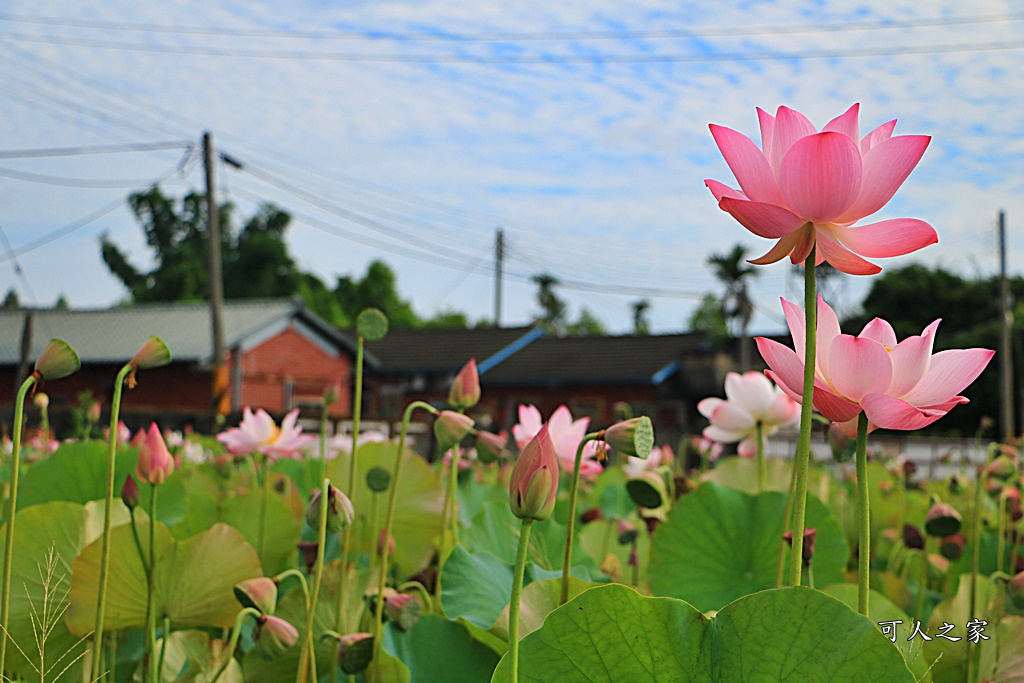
1011	496
308	550
57	360
130	495
41	401
912	537
380	544
404	610
627	532
807	549
451	427
942	520
93	413
591	515
274	637
155	461
952	547
259	593
465	391
355	651
339	511
534	482
1015	587
332	392
1002	468
633	437
491	447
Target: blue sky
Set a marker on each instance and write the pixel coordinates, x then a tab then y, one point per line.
594	164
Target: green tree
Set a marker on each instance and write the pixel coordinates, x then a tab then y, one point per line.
732	270
553	308
709	319
10	299
911	297
586	325
641	325
378	288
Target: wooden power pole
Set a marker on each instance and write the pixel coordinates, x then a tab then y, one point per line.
499	260
219	398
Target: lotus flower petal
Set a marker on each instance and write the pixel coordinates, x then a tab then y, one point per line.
910	360
748	164
820	176
721	191
889	412
859	367
846	123
843	259
949	373
878	135
886	165
885	239
881	331
790	126
764	220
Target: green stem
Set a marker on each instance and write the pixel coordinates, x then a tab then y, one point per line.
922	581
803	444
108	512
571	522
421	591
810	576
323	440
143	556
346	534
979	482
233	643
308	650
302	583
786	520
378	616
374	531
448	510
863	516
762	464
264	504
517	590
163	647
1001	541
151	591
12	505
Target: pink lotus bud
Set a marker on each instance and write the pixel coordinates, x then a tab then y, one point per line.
591	515
1003	467
633	437
130	495
912	537
1011	498
308	550
807	548
491	447
259	593
952	547
451	427
57	360
627	532
942	520
153	354
465	391
339	511
41	401
332	392
274	636
534	481
355	651
1015	588
404	610
380	544
155	462
93	412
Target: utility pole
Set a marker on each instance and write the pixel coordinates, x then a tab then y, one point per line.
220	373
499	259
1005	349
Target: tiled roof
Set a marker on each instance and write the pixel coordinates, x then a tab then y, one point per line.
114	335
441	351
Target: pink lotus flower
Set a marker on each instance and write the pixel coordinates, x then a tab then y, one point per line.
155	462
750	399
534	481
897	385
805	187
565	434
259	434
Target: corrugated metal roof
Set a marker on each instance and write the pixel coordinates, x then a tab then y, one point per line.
114	335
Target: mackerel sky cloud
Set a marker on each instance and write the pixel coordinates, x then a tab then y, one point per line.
581	128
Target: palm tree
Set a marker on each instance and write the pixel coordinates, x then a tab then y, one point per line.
733	271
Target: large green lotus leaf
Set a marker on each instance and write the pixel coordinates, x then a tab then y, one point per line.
612	633
464	659
609	493
191	655
63	529
741	473
496	530
474	495
539	599
950	656
193	583
1002	657
601	538
77	472
418	510
475	586
880	608
720	544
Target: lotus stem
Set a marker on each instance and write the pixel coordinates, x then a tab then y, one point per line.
571	522
447	509
374	524
163	647
151	667
979	482
346	534
264	504
421	591
108	511
311	599
863	516
786	520
302	582
1001	540
233	642
803	444
762	465
517	591
378	616
922	581
12	506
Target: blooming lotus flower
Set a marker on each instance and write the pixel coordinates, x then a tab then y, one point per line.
258	433
897	385
342	443
750	399
661	455
155	462
804	187
565	434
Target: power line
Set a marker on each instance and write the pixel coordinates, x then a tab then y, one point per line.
506	36
67	182
540	60
94	149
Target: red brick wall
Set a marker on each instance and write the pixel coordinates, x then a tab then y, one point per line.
292	356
